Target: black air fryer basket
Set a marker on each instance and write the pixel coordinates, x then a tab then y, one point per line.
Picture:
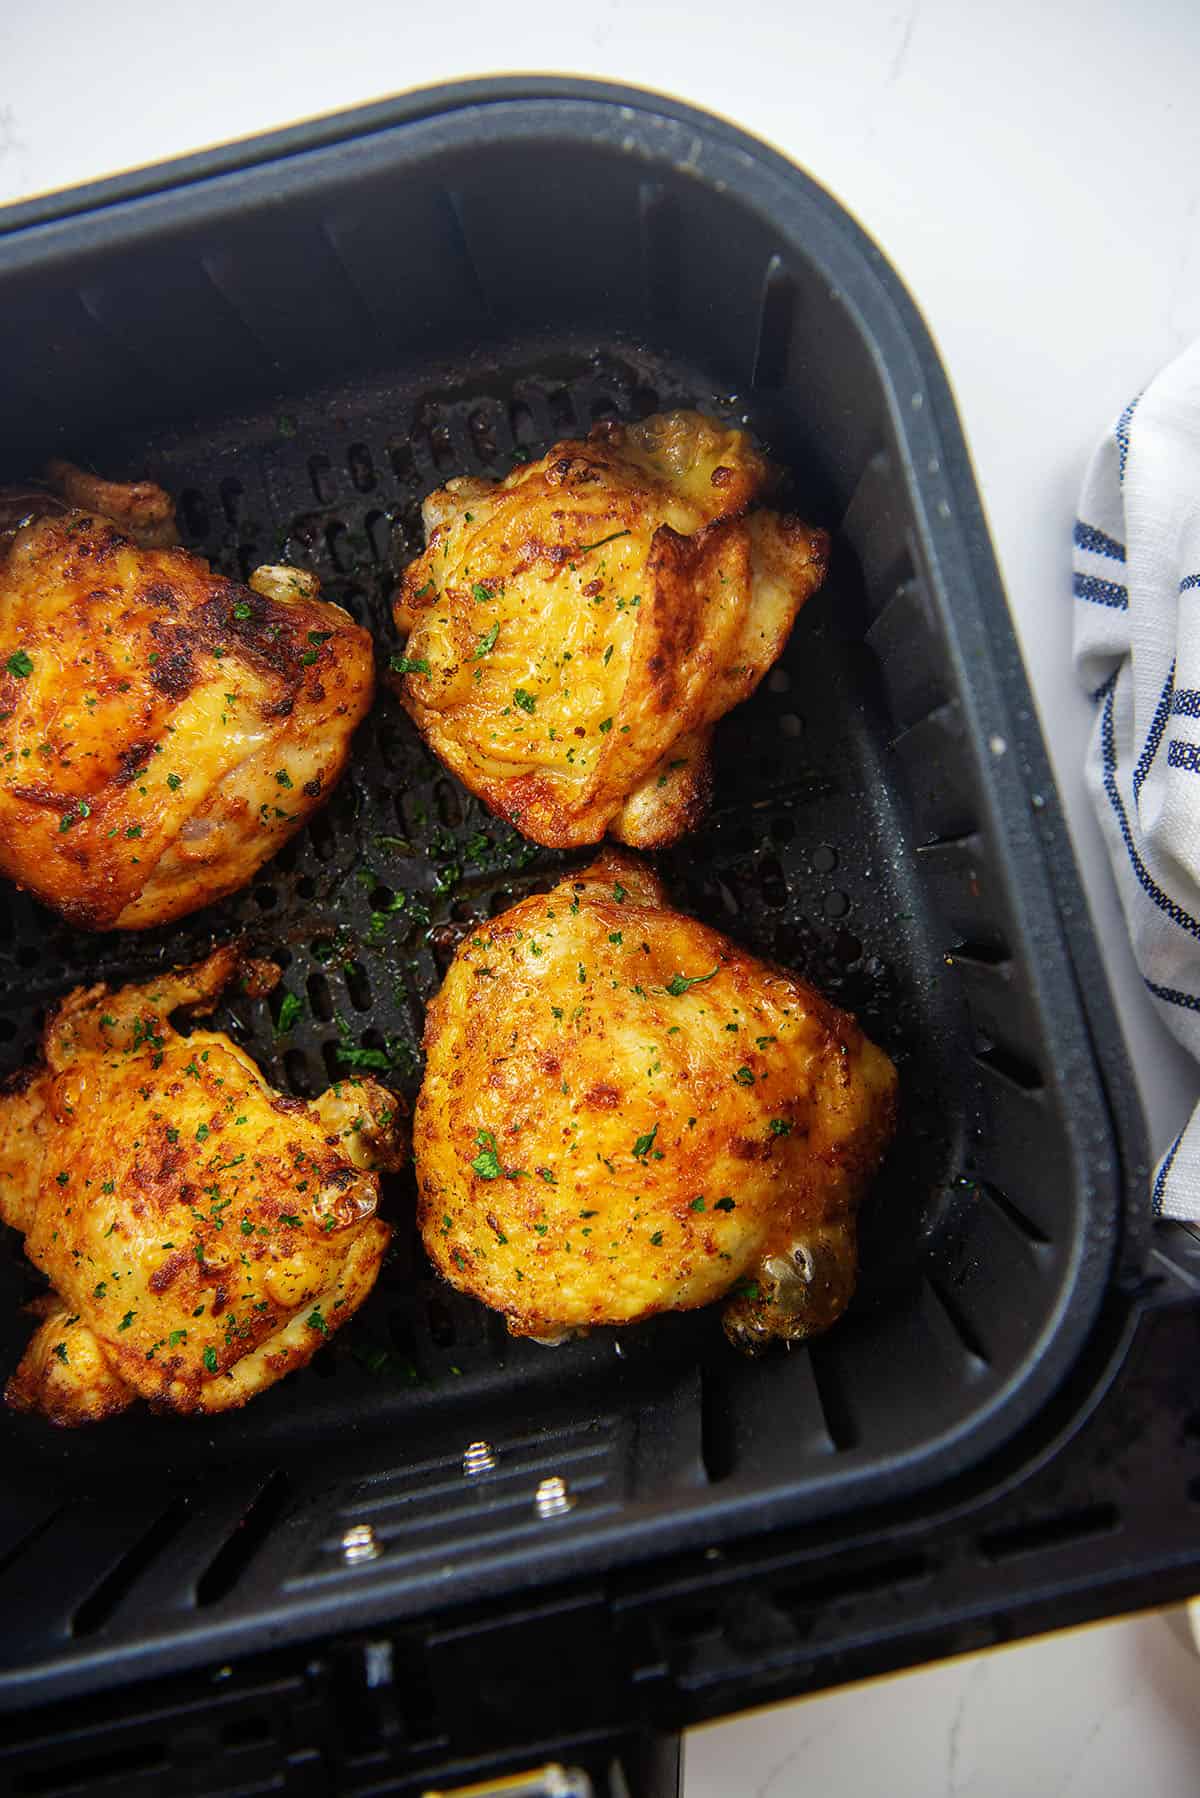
362	1583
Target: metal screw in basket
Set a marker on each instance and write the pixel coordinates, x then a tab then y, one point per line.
480	1457
552	1498
360	1543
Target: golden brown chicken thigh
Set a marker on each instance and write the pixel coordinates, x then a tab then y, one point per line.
623	1113
163	731
202	1234
576	630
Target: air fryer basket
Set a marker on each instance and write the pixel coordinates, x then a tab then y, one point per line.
301	338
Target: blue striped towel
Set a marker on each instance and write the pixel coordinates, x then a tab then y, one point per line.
1137	651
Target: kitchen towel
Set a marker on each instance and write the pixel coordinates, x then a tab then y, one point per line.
1137	651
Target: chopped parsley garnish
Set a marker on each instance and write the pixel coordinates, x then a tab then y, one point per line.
409	665
619	893
290	1219
525	700
290	1009
363	1058
283	777
174	781
747	1290
723	1205
482	595
241	610
487	642
656	1240
176	1337
487	1163
315	1321
19	664
210	1359
780	1127
584	548
682	983
422	591
744	1077
60	1349
126	1320
605	726
644	1144
698	1204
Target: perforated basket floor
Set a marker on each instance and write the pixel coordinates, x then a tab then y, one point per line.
230	1527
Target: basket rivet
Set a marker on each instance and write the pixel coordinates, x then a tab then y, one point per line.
360	1543
552	1498
480	1457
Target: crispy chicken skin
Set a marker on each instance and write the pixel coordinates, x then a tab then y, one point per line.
576	630
202	1234
163	731
623	1113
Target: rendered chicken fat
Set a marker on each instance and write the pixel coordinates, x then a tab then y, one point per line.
576	630
163	731
623	1113
203	1235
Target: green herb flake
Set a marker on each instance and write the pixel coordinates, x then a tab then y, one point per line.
698	1204
725	1204
585	548
127	1320
242	611
60	1349
525	700
605	726
780	1127
409	665
19	664
744	1077
487	642
644	1144
290	1009
487	1163
682	983
315	1321
210	1359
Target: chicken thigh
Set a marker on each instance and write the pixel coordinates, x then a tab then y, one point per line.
203	1235
576	630
623	1113
163	731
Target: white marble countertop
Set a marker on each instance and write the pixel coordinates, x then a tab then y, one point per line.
1033	172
